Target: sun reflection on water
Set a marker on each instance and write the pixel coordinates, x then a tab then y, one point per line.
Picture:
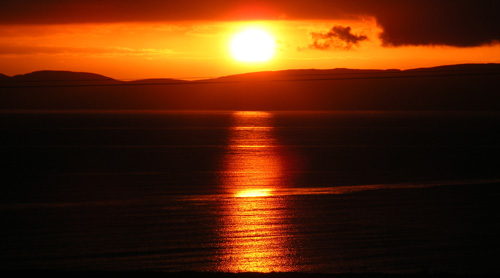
254	193
255	229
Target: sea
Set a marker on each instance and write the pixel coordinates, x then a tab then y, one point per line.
250	191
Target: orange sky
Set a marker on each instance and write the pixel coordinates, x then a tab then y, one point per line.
193	49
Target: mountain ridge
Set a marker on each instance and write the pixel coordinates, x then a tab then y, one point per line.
457	87
67	76
4	77
54	75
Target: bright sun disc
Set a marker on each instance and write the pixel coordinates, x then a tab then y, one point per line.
252	45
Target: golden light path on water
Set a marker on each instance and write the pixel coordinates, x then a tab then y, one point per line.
255	229
258	229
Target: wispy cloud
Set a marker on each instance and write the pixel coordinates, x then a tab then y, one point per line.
15	49
463	23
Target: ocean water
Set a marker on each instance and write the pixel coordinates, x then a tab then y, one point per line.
238	191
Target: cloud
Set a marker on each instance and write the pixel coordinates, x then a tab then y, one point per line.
17	49
338	37
455	23
462	23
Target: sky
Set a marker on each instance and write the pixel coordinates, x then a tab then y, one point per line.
189	39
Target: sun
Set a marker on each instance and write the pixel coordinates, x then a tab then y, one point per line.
253	45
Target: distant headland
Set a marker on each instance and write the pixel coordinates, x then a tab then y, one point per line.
451	87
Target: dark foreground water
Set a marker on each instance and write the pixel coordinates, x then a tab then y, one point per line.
250	191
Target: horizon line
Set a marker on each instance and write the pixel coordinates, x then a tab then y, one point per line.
199	78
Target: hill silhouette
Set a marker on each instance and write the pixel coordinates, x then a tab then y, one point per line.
58	78
452	87
50	75
4	77
303	74
153	81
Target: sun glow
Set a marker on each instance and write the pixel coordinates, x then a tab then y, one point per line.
253	45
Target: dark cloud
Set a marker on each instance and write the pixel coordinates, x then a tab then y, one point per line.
457	23
409	22
338	37
97	11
